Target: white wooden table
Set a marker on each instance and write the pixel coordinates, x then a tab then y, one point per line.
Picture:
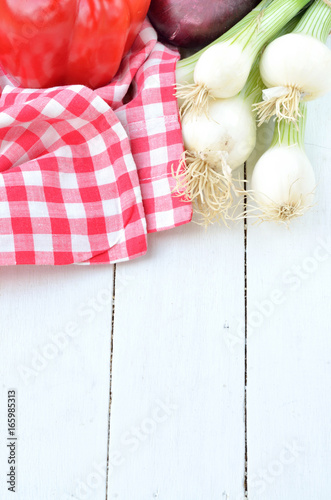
160	396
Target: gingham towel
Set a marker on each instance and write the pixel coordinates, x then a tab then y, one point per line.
77	181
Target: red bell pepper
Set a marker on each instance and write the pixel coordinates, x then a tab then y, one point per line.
44	43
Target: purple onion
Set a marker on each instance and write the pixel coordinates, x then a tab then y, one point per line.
196	23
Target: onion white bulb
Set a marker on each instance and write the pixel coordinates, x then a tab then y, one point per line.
223	69
297	60
230	127
283	183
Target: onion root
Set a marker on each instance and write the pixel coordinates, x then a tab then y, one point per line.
282	213
285	107
205	179
195	97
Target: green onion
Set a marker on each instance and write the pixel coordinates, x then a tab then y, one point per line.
297	67
283	181
221	69
216	144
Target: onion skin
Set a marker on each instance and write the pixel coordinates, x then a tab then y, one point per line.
196	23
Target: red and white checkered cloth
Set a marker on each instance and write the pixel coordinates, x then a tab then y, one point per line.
84	175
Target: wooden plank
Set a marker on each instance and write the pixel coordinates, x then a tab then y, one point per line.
55	352
177	416
289	342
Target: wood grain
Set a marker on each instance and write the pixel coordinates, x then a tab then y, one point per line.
55	351
174	359
289	342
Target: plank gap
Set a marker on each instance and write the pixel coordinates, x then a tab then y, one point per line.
246	312
111	372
